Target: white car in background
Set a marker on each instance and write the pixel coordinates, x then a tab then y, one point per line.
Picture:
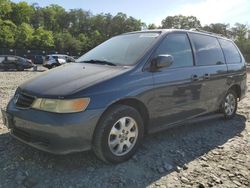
55	60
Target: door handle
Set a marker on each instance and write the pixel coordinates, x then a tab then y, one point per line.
206	76
194	77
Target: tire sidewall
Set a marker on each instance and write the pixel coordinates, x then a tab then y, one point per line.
107	123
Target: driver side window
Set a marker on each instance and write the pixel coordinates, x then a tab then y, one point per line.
178	46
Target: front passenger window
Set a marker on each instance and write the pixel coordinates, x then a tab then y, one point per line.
177	45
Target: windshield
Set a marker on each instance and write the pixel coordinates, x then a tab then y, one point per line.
121	50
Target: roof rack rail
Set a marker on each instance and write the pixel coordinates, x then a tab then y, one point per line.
203	31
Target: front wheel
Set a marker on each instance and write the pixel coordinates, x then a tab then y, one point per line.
118	134
229	104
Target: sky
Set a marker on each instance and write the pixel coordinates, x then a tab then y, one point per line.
154	11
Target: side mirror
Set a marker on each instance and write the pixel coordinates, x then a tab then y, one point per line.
163	60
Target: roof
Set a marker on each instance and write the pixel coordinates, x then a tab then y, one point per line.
198	31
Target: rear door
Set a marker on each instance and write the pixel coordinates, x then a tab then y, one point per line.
11	62
210	68
177	90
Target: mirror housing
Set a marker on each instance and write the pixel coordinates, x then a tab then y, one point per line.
162	60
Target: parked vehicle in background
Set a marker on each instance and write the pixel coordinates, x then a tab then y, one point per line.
10	62
56	60
131	85
37	59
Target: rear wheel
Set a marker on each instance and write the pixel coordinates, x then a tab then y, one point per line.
118	134
20	68
229	104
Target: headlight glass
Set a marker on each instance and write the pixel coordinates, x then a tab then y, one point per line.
61	105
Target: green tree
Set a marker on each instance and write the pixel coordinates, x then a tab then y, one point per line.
219	28
24	36
42	39
180	22
65	42
21	13
152	26
239	32
7	36
5	9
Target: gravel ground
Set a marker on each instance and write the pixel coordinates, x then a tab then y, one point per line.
214	153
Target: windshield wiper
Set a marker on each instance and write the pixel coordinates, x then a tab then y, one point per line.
96	61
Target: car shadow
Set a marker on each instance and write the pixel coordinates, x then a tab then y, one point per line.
159	155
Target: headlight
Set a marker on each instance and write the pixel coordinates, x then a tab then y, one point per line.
61	105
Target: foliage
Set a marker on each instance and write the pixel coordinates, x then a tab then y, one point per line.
76	31
7	33
180	22
24	36
42	39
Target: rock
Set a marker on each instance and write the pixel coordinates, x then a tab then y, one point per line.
185	167
168	167
215	153
220	147
221	167
205	165
216	179
201	185
203	158
231	175
157	183
236	183
178	169
184	180
20	177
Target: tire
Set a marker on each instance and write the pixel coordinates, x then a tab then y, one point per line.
19	68
113	141
229	104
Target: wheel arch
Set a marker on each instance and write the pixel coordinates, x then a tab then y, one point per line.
132	102
237	89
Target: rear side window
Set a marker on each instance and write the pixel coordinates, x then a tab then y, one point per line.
207	50
12	58
1	59
231	53
177	45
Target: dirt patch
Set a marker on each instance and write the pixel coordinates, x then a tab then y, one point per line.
214	153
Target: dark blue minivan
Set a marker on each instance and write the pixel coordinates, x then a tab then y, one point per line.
131	85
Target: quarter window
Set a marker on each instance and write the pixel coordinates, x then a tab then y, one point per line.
231	53
207	50
177	45
12	58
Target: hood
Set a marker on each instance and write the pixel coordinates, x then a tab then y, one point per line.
68	79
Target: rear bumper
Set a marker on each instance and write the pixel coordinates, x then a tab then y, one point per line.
54	133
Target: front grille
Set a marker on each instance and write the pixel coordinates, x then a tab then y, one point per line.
23	101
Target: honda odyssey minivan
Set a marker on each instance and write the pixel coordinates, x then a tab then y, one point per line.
129	86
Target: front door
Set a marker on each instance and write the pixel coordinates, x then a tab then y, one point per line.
177	87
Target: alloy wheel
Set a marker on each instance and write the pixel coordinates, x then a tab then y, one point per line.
123	136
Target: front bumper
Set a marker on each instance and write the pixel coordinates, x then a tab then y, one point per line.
52	132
